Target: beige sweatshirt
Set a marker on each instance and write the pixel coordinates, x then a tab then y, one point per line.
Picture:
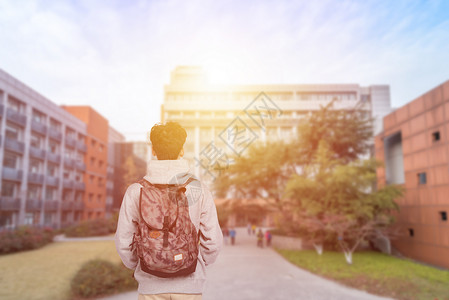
202	213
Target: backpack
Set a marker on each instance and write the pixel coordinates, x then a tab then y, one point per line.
166	240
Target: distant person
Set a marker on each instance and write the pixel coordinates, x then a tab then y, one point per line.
168	205
253	229
248	227
232	234
226	235
268	237
260	238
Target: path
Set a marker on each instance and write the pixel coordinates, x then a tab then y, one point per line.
245	272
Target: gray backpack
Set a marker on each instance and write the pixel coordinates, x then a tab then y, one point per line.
166	240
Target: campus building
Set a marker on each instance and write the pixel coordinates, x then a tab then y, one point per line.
414	145
53	163
224	119
113	192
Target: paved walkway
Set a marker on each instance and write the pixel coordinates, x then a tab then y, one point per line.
246	272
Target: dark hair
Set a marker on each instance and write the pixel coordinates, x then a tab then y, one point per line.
167	140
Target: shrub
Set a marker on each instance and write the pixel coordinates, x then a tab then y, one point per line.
24	238
96	227
100	277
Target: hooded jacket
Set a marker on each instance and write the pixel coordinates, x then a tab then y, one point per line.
202	212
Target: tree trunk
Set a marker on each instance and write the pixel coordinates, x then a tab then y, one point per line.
348	256
318	248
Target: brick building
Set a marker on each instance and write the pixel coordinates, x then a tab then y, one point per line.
415	148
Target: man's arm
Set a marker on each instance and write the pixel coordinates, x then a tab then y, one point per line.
125	226
211	237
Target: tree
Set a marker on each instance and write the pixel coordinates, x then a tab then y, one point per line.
262	172
131	171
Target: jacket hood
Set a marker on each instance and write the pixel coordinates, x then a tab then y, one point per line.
168	171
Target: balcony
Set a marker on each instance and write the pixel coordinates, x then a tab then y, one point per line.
69	163
70	142
14	145
52	181
80	166
81	146
67	205
56	158
80	186
37	153
16	117
2	109
38	127
9	203
33	205
51	205
12	174
68	184
35	178
55	134
79	206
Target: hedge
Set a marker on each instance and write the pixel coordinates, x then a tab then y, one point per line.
24	238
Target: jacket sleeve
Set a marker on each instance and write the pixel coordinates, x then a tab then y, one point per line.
126	228
211	237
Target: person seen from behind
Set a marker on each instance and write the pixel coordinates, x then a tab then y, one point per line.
168	230
260	238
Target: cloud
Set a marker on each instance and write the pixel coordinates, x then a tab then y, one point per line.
116	55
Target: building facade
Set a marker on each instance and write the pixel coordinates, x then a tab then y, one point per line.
113	191
414	147
45	155
208	111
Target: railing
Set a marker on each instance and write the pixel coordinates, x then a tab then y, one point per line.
67	205
51	205
35	178
9	203
54	134
16	117
37	153
80	166
14	145
39	127
69	163
33	204
79	206
68	184
52	181
80	186
12	174
81	146
70	142
56	158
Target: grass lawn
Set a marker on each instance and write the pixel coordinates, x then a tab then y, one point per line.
376	273
46	273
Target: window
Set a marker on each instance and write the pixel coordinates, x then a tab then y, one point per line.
92	161
436	136
91	179
99	198
79	197
50	193
81	138
53	147
15	105
100	163
91	197
79	176
79	156
34	191
101	147
422	178
35	166
67	174
70	133
93	143
9	188
13	132
11	160
55	125
36	140
100	182
411	232
38	116
443	215
52	169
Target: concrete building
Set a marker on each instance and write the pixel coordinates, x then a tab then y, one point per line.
211	113
46	160
113	191
414	145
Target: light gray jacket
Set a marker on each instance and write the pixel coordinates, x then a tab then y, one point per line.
202	213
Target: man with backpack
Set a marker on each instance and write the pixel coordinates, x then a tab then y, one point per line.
168	229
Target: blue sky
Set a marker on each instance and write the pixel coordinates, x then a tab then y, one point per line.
117	55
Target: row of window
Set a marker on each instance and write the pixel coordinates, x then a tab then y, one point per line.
443	217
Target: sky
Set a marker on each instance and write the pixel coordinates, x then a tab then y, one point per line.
117	55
